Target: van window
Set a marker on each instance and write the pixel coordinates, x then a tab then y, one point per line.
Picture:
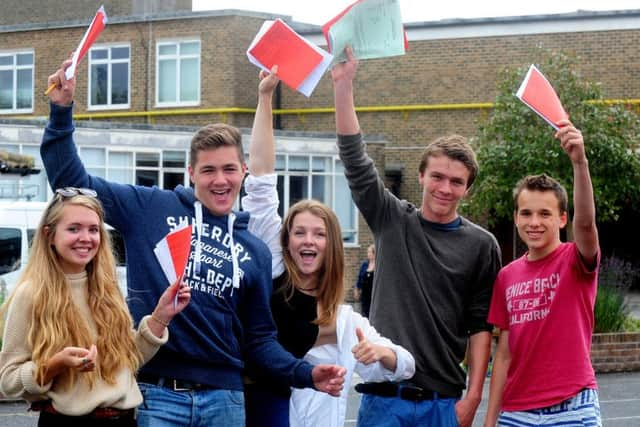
10	246
117	243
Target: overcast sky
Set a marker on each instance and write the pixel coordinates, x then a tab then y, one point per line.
320	11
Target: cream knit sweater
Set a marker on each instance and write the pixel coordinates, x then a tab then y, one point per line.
17	370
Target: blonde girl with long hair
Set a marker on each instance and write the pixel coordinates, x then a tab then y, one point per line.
69	346
307	301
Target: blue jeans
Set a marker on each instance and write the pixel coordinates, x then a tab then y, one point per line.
378	411
163	407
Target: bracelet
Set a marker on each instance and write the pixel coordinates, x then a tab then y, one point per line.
165	324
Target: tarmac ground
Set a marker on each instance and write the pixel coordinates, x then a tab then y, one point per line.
619	403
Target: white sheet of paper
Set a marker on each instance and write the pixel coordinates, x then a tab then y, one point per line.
164	258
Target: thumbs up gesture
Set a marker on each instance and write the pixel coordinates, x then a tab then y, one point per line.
365	352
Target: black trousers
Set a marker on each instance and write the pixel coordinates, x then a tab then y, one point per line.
48	419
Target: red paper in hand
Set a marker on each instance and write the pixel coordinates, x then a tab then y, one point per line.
538	94
281	46
179	243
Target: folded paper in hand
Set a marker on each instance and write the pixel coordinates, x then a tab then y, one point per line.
372	28
173	252
538	94
300	63
92	33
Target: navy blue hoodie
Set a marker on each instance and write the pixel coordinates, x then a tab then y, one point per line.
225	321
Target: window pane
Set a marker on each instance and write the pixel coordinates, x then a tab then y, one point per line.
167	49
298	188
120	83
25	59
92	156
298	163
167	81
25	94
123	176
6	60
96	172
147	178
174	159
148	159
321	189
99	84
189	79
321	164
344	208
280	162
190	48
120	160
99	53
6	89
120	52
172	180
10	243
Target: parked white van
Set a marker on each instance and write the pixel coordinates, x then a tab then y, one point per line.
18	222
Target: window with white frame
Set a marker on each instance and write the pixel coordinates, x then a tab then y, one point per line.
321	178
164	168
178	73
109	76
16	82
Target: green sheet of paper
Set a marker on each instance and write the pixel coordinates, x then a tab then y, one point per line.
373	29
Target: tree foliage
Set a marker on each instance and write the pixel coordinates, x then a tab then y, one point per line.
515	142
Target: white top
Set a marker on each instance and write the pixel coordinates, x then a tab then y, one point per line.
308	407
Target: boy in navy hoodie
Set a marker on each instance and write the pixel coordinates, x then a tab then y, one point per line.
229	272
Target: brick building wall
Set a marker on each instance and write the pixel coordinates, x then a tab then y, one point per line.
435	71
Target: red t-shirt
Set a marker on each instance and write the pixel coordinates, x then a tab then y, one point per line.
547	306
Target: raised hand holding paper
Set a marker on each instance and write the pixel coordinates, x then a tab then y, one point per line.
92	33
373	29
300	63
538	94
94	30
172	253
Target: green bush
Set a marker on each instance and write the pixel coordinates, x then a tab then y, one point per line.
631	324
611	310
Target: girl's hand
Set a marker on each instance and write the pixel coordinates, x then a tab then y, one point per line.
78	358
174	299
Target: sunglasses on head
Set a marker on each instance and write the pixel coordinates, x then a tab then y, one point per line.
73	191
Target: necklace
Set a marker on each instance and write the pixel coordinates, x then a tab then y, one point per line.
315	288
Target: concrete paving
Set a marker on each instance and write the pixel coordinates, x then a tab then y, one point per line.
619	402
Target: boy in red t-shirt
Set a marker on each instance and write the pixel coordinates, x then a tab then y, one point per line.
543	304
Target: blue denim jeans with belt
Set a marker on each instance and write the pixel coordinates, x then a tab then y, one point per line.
163	407
379	411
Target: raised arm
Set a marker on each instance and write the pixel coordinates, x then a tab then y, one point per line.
342	75
262	152
584	217
261	200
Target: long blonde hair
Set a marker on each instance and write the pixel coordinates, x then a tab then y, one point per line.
331	275
56	322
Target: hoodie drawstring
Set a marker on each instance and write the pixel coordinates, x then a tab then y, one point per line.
198	209
234	257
